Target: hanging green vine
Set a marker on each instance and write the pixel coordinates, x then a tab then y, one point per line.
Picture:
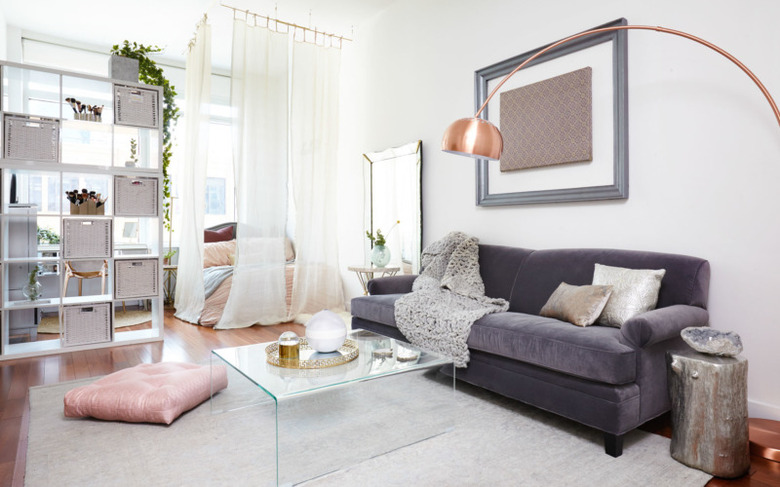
151	74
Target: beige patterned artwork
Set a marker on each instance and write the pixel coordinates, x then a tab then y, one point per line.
548	122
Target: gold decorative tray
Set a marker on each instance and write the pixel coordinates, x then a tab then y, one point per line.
310	358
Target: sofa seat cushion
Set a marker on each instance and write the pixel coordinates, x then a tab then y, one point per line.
593	353
379	308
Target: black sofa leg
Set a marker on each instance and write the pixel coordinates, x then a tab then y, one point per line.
613	444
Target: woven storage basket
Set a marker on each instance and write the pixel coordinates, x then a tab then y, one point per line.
135	278
136	106
86	237
135	196
85	324
31	138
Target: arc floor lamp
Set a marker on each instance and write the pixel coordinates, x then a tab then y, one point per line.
478	138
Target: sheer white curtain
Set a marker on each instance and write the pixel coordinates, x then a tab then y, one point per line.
314	145
259	89
189	284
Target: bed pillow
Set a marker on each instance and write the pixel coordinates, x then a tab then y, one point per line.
218	253
289	251
579	305
635	291
221	235
146	393
224	253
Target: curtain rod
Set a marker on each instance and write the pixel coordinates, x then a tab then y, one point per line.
269	20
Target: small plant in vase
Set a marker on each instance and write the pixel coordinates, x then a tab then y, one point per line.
133	161
168	256
32	290
380	254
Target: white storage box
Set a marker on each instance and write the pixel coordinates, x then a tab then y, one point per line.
31	138
86	238
136	278
135	106
135	196
85	324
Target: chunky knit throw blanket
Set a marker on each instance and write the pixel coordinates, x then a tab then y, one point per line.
446	299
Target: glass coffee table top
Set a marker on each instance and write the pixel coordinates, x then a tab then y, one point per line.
378	356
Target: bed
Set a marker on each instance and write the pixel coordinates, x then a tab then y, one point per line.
218	260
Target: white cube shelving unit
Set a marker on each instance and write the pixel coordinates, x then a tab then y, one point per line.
50	149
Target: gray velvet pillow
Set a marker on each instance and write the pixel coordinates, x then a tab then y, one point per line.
579	305
635	291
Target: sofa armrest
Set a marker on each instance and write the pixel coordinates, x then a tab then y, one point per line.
391	284
661	324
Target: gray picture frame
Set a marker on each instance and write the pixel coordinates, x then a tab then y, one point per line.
619	187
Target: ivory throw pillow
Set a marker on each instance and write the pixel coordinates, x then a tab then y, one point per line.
579	305
218	253
635	291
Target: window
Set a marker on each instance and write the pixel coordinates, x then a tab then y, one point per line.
38	188
53	189
215	196
36	195
220	168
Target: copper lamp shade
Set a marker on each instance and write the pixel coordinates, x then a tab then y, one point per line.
473	137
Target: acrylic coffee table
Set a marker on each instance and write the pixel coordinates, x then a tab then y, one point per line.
390	396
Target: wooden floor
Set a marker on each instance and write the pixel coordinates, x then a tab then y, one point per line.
183	343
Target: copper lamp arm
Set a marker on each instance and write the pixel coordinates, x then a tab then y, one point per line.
642	27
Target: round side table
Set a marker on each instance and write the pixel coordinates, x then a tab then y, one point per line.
367	272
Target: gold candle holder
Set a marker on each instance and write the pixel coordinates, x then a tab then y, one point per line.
289	346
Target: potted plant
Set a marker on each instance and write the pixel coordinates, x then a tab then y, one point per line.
167	256
32	290
47	236
133	161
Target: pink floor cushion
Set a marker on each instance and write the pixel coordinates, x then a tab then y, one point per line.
146	393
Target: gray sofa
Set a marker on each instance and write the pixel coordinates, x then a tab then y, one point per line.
612	379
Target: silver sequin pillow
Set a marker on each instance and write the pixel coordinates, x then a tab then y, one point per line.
634	291
579	305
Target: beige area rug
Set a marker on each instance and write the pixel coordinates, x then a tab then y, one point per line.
495	441
51	324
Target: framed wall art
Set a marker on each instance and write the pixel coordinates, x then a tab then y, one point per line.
564	122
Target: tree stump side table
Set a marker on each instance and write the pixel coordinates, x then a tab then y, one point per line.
709	412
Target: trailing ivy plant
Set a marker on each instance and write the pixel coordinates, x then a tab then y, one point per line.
151	74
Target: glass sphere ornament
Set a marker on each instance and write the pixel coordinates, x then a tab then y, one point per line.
326	331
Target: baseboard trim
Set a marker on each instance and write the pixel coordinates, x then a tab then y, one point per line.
757	409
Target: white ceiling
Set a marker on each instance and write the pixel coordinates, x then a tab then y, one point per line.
170	24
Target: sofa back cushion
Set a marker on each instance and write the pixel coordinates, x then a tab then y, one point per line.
498	266
686	280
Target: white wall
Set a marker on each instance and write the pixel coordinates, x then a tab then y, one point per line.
13	47
704	145
3	36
